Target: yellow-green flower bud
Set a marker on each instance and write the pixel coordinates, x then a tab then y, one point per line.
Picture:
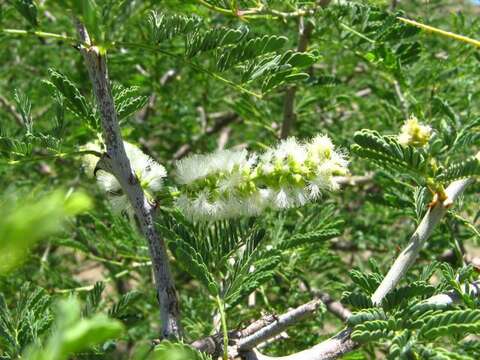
414	133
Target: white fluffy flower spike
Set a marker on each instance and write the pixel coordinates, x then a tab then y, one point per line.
214	184
232	183
150	174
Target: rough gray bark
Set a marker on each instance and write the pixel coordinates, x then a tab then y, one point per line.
260	330
279	325
330	349
333	306
116	161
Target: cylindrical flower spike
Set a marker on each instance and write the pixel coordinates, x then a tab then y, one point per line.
215	185
150	175
231	183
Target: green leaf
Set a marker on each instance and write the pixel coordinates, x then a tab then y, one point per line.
366	315
73	334
372	331
75	101
120	309
89	332
94	297
357	300
127	100
34	219
309	238
439	353
89	12
193	263
246	280
301	60
200	42
401	295
368	282
386	152
164	27
451	322
25	322
28	9
460	170
247	50
176	351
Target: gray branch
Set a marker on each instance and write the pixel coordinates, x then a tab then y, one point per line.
333	306
452	297
330	349
341	343
408	256
261	330
117	162
279	325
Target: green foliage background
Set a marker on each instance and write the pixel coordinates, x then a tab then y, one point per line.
174	82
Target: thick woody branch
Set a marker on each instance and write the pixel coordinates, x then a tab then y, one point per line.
260	330
116	161
330	349
279	325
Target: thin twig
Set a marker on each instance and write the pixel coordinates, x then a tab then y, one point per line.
261	330
305	29
279	325
435	30
11	109
116	161
333	306
221	122
401	99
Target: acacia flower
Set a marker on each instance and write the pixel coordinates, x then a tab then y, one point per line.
149	173
215	185
297	173
230	183
414	133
